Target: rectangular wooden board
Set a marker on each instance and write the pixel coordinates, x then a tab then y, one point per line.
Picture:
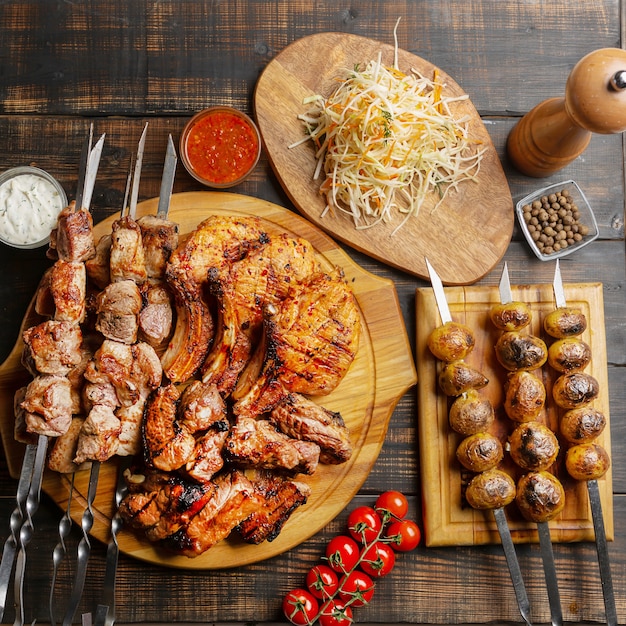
448	520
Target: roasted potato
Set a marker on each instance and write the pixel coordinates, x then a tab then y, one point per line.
565	322
492	489
471	413
587	461
520	351
540	496
525	396
533	446
480	452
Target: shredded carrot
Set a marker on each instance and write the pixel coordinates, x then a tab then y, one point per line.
386	141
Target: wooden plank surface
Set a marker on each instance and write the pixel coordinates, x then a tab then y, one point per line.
121	63
448	520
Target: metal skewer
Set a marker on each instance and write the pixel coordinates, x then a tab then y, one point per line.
105	612
594	498
543	530
501	522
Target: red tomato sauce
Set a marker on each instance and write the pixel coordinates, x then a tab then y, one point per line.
222	147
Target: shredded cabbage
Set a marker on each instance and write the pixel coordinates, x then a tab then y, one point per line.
387	141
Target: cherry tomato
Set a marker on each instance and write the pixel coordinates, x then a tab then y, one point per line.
342	553
322	581
356	588
405	533
335	613
300	607
364	524
378	559
394	502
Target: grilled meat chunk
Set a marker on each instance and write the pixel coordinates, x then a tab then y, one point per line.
61	457
206	459
201	406
99	267
133	370
233	501
279	498
52	347
310	341
156	315
243	290
117	309
99	436
160	503
215	244
257	443
160	239
127	258
304	419
72	239
48	405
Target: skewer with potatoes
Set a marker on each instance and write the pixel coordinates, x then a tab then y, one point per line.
471	415
532	445
574	391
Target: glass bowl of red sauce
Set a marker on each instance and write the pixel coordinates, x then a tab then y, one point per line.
220	146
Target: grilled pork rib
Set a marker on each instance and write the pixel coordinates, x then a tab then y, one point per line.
215	244
264	277
310	341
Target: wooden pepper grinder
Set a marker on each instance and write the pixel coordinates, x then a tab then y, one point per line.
558	130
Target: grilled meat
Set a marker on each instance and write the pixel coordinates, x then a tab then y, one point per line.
99	436
160	238
257	443
72	239
133	370
127	258
201	406
48	405
278	499
62	292
304	419
156	315
233	501
52	347
99	266
310	341
61	457
160	503
243	290
117	309
215	244
131	418
207	459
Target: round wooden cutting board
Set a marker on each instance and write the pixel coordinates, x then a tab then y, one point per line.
468	233
381	373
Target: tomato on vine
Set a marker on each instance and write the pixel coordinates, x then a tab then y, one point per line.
322	581
342	553
300	607
394	502
404	535
356	588
335	613
364	524
378	559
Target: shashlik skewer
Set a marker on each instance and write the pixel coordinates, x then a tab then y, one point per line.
494	488
93	422
534	447
565	321
105	613
32	479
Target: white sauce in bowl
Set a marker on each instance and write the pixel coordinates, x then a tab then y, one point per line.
29	208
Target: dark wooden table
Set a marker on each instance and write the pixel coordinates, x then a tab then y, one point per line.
118	64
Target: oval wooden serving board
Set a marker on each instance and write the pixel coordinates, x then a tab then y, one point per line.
466	236
381	373
447	519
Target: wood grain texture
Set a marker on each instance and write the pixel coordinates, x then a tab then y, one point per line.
470	229
381	373
448	520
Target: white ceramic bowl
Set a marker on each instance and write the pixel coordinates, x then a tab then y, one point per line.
30	202
584	220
